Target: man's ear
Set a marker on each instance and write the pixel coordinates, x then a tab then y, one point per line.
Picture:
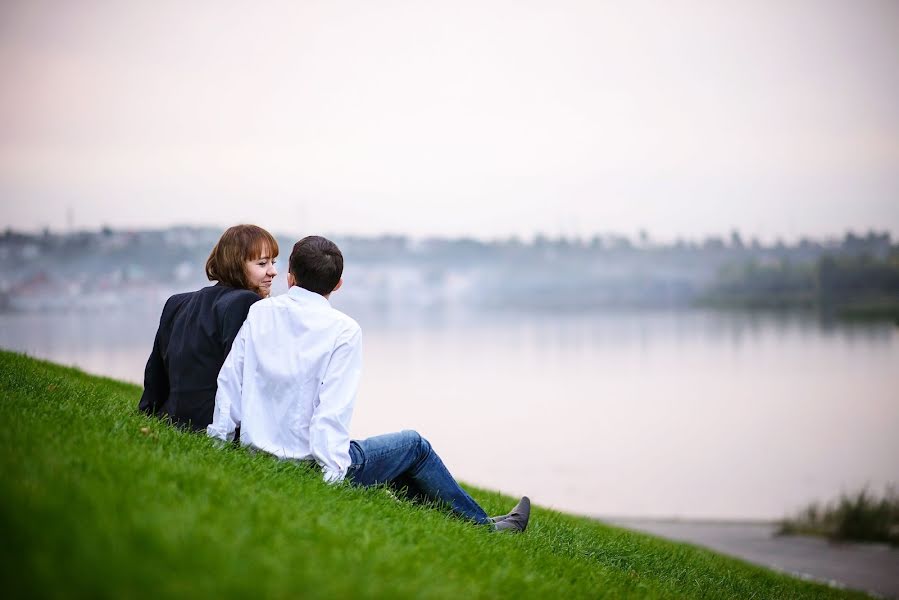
339	283
290	280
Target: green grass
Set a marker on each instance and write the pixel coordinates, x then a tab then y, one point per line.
97	501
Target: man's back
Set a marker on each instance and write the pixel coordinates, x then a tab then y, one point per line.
290	381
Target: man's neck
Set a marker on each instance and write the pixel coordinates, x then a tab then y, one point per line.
325	296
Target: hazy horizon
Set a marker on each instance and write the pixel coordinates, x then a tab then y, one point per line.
632	236
481	119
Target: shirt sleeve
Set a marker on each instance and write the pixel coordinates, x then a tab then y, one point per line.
329	429
156	378
227	414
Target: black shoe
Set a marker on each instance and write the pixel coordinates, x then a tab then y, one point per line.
517	520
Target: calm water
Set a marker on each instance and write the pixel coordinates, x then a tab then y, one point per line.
685	414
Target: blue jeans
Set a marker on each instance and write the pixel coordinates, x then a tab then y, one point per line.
406	460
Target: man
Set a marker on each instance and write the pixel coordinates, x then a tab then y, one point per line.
290	384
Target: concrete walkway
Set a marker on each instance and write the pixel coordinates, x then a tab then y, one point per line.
873	568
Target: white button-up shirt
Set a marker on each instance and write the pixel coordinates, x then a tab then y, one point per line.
290	381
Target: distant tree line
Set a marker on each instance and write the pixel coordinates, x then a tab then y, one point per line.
856	275
850	285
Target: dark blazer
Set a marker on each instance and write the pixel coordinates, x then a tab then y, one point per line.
195	334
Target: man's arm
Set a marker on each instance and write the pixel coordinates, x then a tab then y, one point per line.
227	414
329	430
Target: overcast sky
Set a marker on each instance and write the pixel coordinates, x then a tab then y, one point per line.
484	118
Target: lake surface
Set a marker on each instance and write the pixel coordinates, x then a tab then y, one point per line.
688	414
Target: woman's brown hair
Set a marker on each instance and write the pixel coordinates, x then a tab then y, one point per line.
236	246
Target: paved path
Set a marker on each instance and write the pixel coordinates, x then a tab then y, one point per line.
870	567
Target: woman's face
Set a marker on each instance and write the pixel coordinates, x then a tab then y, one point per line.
260	273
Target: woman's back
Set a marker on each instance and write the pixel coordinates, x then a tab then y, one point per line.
195	334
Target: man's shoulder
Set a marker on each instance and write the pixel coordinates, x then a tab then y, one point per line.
346	319
325	317
268	306
271	302
348	326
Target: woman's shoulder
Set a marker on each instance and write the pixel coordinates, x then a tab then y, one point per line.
177	300
232	294
220	293
229	298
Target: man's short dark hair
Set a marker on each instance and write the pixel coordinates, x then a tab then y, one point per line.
316	264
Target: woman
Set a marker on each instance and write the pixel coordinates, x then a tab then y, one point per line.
197	328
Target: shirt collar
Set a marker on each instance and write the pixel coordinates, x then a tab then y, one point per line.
303	295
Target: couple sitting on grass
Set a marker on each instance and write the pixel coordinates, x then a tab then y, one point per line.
281	373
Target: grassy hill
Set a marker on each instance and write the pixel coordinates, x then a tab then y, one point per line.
98	501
